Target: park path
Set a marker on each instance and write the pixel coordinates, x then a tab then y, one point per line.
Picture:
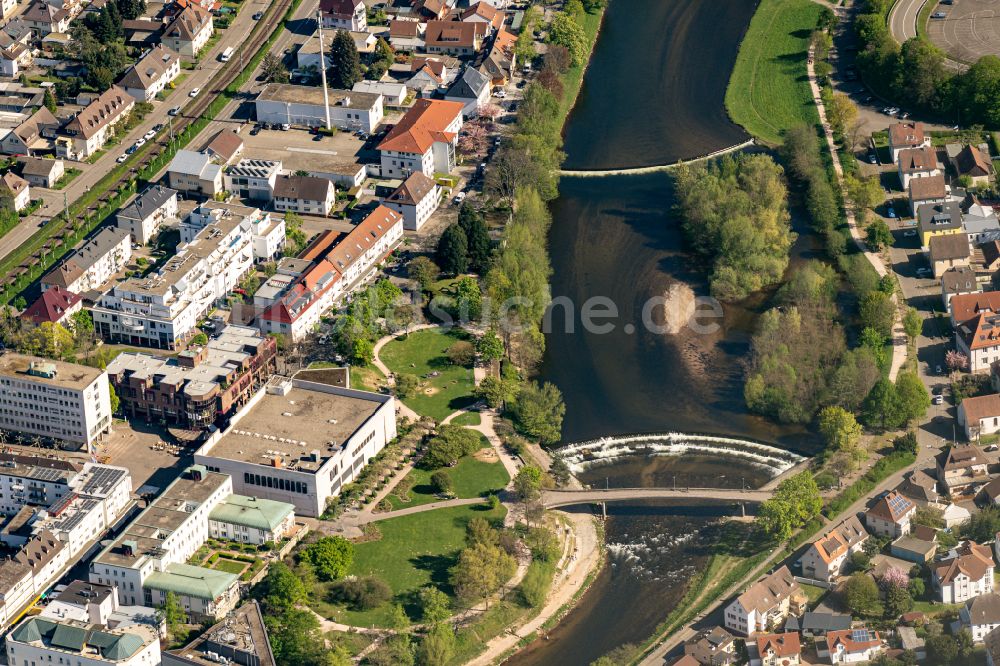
402	409
898	334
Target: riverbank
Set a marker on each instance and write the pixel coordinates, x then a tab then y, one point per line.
768	92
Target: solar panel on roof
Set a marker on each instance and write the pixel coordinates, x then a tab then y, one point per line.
861	635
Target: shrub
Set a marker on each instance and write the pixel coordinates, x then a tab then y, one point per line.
361	593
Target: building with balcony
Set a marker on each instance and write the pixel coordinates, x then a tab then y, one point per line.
143	216
201	386
765	604
91	265
267	233
423	140
162	309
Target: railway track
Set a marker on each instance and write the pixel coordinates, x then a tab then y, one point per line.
190	114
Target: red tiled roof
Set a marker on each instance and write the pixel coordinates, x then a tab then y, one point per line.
422	126
51	306
906	134
965	307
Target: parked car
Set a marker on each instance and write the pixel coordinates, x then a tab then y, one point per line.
122	158
258	16
938	369
938	400
909	233
904	115
500	94
459	198
938	15
131	149
149	135
872	159
923	271
285	127
174	111
140	143
194	93
891	212
157	127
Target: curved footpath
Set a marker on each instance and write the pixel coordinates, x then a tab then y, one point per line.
903	18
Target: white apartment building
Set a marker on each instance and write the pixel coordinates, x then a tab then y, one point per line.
765	604
980	616
104	255
148	560
144	215
304	106
367	244
251	520
252	179
190	30
307	195
39	640
53	400
267	233
423	140
300	442
152	74
416	199
344	14
964	573
891	515
87	133
825	557
162	309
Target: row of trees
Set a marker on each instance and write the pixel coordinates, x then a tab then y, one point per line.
915	73
735	216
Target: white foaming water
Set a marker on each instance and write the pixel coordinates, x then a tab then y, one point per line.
607	450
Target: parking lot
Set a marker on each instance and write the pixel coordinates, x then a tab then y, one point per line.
969	30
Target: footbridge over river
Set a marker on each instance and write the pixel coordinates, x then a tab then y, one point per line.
635	171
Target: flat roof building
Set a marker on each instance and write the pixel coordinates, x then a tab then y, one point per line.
304	106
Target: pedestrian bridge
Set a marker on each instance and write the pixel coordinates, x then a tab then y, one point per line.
636	171
555	498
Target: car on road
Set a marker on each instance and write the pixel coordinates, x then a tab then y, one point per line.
149	135
174	111
122	158
938	400
194	93
257	16
992	447
938	15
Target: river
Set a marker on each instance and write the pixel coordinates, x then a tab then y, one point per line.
653	93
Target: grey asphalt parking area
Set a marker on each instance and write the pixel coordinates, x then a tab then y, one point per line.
970	30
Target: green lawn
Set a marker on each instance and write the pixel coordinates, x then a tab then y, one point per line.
414	551
472	478
768	91
814	593
422	353
229	566
467	419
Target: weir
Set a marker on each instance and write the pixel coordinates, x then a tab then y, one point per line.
636	171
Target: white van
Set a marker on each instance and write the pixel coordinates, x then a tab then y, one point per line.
227	54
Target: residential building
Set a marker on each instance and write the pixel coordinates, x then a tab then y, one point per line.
251	520
472	89
500	63
993	648
148	559
954	515
200	387
966	307
267	233
53	400
825	557
43	18
252	178
18	190
143	217
957	281
423	140
485	13
55	305
304	194
84	601
195	173
917	163
964	573
91	265
981	224
35	135
300	442
304	106
850	646
765	604
15	56
991	491
906	135
162	309
961	466
454	37
947	252
225	147
890	515
429	75
41	172
48	640
415	199
814	625
189	31
912	548
87	133
152	74
919	487
344	14
407	35
979	416
930	190
294	300
241	638
713	647
938	220
971	162
776	650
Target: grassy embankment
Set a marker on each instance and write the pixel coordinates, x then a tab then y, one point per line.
424	353
768	91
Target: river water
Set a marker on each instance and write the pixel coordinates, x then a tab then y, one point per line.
653	94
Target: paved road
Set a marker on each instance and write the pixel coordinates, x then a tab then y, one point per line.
198	78
903	19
